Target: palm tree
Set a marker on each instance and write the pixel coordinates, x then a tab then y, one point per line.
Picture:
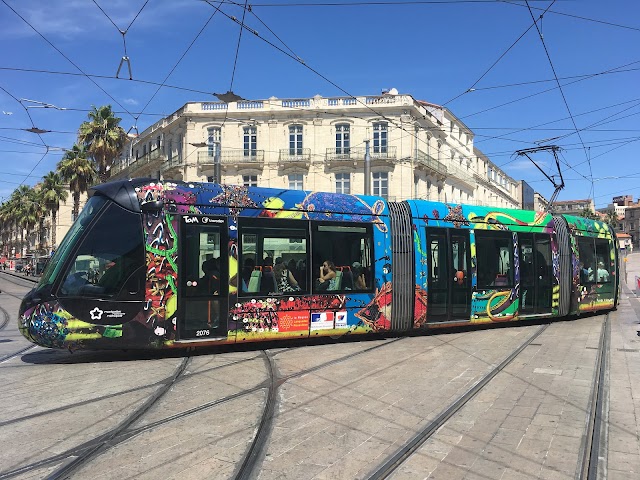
35	216
53	192
612	219
9	218
79	172
102	137
21	199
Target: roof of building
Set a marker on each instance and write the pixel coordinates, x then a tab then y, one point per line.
623	235
569	202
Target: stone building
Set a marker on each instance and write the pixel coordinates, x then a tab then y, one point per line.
416	149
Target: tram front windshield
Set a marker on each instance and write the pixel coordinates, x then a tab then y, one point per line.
90	211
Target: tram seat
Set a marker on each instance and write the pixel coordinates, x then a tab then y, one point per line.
254	280
338	283
501	280
347	278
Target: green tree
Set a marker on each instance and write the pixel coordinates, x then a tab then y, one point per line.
612	219
79	172
53	192
102	137
20	199
588	213
9	217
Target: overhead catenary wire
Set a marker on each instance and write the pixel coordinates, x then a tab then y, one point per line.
564	98
472	87
65	56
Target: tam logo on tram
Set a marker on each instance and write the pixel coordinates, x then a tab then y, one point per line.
153	264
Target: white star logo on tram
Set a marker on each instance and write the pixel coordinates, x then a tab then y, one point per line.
96	314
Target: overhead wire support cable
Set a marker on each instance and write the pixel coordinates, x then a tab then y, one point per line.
561	91
125	58
297	59
160	85
66	57
472	87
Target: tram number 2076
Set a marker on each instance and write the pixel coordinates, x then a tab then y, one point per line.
202	333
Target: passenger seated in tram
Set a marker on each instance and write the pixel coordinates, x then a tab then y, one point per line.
327	278
285	281
586	274
603	274
209	283
249	264
359	279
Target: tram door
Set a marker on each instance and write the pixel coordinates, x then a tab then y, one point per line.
202	294
449	283
536	273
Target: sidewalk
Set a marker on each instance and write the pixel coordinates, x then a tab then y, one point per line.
623	459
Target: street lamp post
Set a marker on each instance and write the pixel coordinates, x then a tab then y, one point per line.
216	163
367	168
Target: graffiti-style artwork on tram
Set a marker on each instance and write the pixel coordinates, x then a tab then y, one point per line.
153	264
595	280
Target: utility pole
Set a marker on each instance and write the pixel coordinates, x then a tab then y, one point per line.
367	168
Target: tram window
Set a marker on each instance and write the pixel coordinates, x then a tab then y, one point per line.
494	259
349	247
587	260
603	262
268	254
91	210
109	266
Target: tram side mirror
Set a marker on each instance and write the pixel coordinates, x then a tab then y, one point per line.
154	206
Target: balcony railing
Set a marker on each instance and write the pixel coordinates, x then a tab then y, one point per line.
150	160
356	154
171	163
295	155
232	157
431	164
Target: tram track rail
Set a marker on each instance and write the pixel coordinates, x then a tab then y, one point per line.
404	453
81	455
595	441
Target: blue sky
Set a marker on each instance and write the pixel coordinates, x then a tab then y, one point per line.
433	50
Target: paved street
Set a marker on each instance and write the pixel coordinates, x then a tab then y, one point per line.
341	409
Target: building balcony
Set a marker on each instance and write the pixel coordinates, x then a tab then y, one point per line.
294	157
230	158
352	156
146	165
172	167
426	162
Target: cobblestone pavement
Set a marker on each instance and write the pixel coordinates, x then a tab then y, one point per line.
332	420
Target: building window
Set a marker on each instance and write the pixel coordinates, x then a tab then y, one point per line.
380	131
214	137
381	184
295	140
250	180
250	141
343	138
170	150
295	181
180	148
343	183
158	142
144	150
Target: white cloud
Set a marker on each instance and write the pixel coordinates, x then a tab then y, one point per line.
69	19
130	101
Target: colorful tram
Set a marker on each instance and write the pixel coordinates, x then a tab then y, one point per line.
153	264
